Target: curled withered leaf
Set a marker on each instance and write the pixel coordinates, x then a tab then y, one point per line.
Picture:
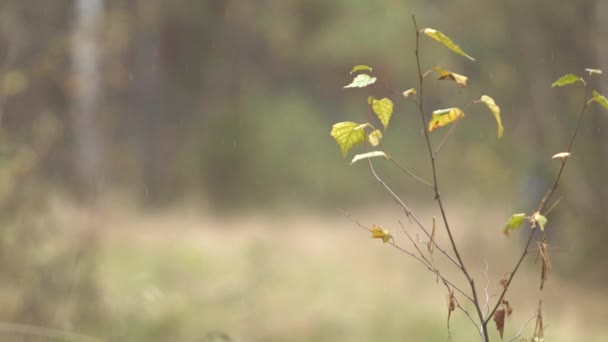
451	305
504	281
561	155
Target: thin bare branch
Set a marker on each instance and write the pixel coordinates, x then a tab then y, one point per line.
521	330
408	212
401	249
408	172
445	138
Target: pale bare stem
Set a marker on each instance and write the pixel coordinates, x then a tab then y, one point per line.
523	327
485	336
543	203
445	138
486	306
408	212
553	205
410	173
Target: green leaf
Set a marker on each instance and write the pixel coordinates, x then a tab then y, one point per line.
565	80
541	220
597	97
368	155
383	109
446	41
488	101
361	80
514	222
361	67
444	117
452	76
374	137
347	135
593	71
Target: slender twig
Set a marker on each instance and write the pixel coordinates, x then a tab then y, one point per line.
401	249
436	186
469	316
445	138
511	276
542	204
409	213
410	173
521	330
428	263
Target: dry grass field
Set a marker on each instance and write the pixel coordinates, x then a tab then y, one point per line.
182	275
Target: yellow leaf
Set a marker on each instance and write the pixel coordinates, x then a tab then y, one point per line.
409	92
452	76
444	117
380	233
446	41
348	134
489	102
383	109
374	137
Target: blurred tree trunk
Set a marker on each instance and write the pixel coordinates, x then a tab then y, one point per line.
88	141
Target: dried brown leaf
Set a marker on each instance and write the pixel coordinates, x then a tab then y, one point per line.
499	318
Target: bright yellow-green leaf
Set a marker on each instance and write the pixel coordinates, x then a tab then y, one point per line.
593	71
409	92
444	117
495	111
368	155
541	220
514	222
565	80
360	81
446	41
361	67
383	109
374	137
347	135
381	233
597	97
452	76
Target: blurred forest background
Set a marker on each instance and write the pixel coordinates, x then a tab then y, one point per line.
126	120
